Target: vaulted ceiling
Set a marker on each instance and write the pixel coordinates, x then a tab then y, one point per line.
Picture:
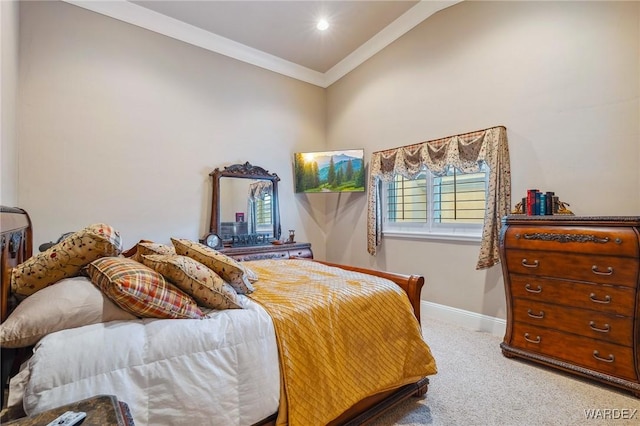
279	35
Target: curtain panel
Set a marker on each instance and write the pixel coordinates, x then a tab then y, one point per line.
466	152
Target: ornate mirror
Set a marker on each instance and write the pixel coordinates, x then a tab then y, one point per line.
244	206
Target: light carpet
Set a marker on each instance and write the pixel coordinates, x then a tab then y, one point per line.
477	385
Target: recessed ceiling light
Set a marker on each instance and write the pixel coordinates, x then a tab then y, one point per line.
322	24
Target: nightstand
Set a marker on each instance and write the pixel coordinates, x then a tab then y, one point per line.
100	409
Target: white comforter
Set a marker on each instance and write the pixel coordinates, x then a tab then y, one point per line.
222	370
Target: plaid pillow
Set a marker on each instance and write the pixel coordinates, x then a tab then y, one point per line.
66	258
228	268
140	290
195	279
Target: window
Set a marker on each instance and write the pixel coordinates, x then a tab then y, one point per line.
448	206
263	213
481	146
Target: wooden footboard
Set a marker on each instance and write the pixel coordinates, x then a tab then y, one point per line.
374	406
370	408
411	284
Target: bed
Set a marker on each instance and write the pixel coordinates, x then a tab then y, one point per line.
312	343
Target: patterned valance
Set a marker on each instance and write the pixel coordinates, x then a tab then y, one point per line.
466	152
260	189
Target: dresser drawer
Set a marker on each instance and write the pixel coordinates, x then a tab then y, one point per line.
604	298
595	240
269	251
597	325
260	256
303	252
603	357
592	268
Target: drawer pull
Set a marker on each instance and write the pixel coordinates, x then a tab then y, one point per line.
536	340
531	290
607	298
595	270
606	328
526	263
532	315
597	356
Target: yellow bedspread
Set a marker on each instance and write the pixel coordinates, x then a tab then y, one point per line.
342	336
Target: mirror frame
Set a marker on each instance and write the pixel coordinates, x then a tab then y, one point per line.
243	171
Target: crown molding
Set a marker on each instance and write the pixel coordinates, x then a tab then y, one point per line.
388	35
131	13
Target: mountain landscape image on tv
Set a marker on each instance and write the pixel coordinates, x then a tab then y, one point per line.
329	171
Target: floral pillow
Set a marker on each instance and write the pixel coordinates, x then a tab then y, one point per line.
228	268
205	286
65	259
147	247
72	302
140	290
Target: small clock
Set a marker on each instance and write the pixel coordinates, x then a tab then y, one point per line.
213	240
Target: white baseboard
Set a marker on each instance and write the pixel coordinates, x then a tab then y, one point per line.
466	319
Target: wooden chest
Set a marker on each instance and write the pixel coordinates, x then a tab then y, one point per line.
573	300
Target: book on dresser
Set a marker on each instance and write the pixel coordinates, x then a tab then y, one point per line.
573	300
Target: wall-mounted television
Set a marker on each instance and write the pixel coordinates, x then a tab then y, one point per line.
329	171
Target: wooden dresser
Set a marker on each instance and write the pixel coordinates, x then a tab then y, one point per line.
271	251
573	299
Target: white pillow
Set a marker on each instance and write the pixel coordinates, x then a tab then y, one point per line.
69	303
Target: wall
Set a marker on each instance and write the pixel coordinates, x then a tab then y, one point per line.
8	83
130	124
561	76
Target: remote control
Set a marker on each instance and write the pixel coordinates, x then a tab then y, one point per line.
69	418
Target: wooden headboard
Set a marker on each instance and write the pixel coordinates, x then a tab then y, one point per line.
17	246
